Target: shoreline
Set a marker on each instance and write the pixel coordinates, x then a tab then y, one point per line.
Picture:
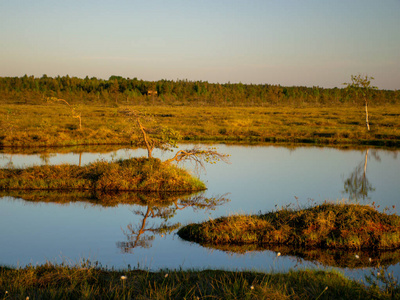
93	281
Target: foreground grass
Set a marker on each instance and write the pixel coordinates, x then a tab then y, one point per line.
136	174
331	226
53	125
86	282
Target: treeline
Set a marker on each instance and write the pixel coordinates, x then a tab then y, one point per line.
119	90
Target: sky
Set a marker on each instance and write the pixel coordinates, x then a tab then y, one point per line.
287	42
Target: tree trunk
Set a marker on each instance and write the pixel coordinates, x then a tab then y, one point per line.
365	162
366	115
149	148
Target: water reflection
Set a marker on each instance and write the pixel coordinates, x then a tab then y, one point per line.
77	155
92	225
142	234
349	259
163	206
46	157
175	201
59	150
357	185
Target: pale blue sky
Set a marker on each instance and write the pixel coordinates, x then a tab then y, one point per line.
296	42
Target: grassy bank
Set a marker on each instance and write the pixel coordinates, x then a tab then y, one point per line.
332	226
86	282
26	125
136	174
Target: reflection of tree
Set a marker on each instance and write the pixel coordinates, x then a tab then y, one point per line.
10	163
140	236
143	234
162	206
45	157
94	149
357	184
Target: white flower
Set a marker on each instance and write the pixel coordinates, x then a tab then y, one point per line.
124	277
252	287
357	256
166	275
370	259
278	254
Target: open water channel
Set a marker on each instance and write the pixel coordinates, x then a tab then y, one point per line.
36	227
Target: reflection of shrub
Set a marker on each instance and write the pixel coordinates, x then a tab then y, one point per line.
106	198
333	226
340	258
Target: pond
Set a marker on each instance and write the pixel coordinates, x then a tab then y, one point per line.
36	227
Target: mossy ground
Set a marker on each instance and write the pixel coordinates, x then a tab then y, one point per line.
86	282
332	226
136	174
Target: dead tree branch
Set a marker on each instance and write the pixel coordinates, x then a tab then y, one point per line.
73	111
199	156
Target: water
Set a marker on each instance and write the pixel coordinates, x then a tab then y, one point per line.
259	178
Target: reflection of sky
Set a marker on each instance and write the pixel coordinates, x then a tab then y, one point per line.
263	176
258	178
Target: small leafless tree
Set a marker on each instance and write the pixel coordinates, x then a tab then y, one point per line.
75	114
153	137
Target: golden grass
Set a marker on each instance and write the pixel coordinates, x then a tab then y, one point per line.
136	174
50	125
88	281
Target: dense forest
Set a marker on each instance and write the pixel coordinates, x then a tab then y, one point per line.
118	90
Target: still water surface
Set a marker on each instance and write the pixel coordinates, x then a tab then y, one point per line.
258	178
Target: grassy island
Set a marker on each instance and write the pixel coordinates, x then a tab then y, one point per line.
330	226
135	174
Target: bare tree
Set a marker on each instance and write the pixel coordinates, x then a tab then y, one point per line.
153	137
166	139
199	156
